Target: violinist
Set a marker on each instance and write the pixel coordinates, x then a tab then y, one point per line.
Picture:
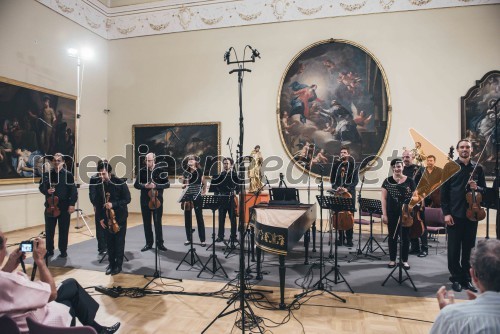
100	233
461	230
227	183
409	168
194	175
60	192
391	211
429	181
111	210
344	178
151	180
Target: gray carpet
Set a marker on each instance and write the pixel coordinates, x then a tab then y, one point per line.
363	275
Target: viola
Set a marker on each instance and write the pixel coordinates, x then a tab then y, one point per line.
186	205
417	228
474	212
406	216
110	214
52	206
154	202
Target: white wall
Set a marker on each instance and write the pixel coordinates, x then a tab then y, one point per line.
34	42
430	57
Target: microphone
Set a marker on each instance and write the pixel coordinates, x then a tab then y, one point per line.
255	53
267	181
226	55
227	143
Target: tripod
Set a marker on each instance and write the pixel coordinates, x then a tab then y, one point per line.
371	206
398	192
248	319
213	203
190	195
319	285
157	273
81	215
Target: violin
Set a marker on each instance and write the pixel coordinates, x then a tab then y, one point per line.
110	214
406	215
474	211
236	205
343	220
154	202
52	203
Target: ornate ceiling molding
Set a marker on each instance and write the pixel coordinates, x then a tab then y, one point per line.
161	17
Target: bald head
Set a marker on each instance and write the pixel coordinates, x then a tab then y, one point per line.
150	160
408	157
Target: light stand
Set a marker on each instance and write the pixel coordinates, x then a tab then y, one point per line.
252	322
79	82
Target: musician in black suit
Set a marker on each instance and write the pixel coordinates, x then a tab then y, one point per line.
119	198
461	230
100	233
152	177
226	184
194	176
344	178
59	182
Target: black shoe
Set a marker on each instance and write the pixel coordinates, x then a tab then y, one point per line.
340	243
109	270
101	253
219	239
110	330
187	243
63	255
49	253
456	287
390	266
469	286
349	243
414	251
162	247
116	271
146	248
203	244
406	266
423	253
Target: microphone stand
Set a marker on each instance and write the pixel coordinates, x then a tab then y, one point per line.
496	183
248	320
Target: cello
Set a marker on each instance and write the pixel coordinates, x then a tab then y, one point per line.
343	220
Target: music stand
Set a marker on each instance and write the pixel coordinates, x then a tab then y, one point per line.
284	196
336	204
401	195
320	286
213	202
371	206
490	202
191	194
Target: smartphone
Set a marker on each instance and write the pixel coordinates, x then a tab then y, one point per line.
26	246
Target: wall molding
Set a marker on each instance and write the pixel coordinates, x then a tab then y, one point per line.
164	17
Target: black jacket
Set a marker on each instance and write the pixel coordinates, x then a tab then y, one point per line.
119	197
64	183
158	176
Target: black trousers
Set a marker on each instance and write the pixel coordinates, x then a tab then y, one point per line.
223	211
100	234
50	229
188	220
116	246
81	305
155	215
461	240
347	235
392	221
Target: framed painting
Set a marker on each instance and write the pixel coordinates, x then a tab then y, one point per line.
478	120
34	122
333	93
172	143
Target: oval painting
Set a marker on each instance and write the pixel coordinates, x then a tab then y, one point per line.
333	94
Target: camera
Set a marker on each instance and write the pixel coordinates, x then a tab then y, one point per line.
26	246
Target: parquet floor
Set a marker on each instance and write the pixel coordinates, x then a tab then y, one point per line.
190	314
